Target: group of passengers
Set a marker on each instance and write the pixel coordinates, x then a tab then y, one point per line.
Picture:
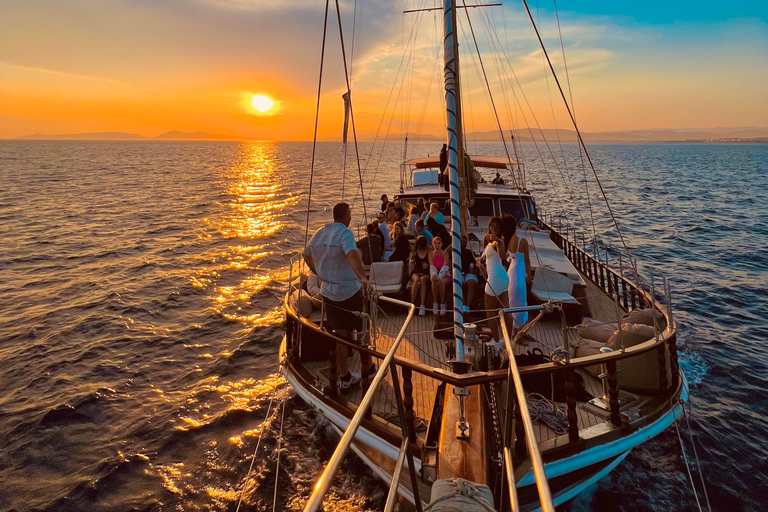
333	256
388	237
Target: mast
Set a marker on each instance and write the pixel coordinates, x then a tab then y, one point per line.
455	160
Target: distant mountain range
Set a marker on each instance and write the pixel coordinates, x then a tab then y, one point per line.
173	135
746	134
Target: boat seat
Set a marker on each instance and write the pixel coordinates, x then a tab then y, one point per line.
550	285
387	276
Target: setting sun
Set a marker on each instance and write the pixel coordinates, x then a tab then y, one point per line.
262	103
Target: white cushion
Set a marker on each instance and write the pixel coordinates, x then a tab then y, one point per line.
595	329
387	276
645	317
555	296
550	285
388	288
301	302
631	335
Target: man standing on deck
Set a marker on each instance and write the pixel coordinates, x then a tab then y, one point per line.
444	178
332	254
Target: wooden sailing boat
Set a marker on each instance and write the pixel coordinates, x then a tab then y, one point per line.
451	409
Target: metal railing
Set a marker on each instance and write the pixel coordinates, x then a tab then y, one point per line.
545	495
324	481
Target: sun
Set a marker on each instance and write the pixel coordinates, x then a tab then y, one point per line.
261	103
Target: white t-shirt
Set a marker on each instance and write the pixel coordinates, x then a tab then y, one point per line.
329	247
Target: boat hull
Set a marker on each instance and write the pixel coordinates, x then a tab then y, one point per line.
568	476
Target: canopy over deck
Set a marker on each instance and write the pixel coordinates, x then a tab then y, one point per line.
491	162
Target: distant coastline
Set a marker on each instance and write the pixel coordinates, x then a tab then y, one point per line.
749	135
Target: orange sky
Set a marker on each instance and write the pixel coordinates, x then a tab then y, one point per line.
71	67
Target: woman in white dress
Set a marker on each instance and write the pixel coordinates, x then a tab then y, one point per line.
519	272
497	283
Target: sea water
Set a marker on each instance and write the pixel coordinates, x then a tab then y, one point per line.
140	316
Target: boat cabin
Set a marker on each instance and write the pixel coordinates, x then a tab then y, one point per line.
421	177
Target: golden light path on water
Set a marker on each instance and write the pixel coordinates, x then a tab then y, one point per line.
236	274
245	275
255	213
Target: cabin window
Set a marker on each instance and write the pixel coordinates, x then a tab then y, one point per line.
516	207
443	203
483	207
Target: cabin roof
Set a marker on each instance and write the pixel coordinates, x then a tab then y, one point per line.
491	162
483	189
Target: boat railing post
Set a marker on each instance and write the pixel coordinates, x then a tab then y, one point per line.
511	414
618	322
407	427
545	495
395	484
333	371
613	392
570	402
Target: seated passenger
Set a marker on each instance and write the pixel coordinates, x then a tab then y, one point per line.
384	202
469	271
402	247
412	218
384	228
419	267
399	210
420	208
435	213
421	230
391	215
440	273
438	229
370	246
497	180
380	233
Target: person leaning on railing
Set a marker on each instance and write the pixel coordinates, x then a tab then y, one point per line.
332	254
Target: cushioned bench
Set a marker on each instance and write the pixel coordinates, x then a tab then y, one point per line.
550	285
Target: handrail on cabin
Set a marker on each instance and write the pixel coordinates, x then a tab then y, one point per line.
324	481
545	495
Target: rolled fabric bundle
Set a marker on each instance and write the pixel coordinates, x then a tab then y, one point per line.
432	270
301	300
445	271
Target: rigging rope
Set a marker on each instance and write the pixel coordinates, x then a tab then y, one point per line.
351	112
573	107
279	451
581	140
696	455
499	49
687	467
258	443
317	116
518	185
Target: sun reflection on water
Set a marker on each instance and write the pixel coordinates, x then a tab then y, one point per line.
259	202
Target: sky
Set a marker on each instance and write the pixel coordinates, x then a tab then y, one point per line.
150	66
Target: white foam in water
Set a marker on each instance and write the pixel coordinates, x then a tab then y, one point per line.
693	366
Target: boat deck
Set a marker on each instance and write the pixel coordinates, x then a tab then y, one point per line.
419	344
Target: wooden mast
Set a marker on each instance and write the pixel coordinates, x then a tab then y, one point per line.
455	157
